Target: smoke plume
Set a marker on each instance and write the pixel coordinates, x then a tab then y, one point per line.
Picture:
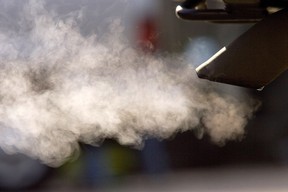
59	87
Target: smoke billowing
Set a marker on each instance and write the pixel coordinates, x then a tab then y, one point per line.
59	87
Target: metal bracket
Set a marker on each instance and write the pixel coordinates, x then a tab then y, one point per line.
231	14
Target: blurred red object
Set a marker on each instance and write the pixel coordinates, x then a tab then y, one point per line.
147	35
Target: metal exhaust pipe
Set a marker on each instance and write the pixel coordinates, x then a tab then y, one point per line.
254	59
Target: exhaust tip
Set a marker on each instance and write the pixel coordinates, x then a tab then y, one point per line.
253	60
203	70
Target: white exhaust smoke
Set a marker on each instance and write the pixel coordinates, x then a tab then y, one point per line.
58	88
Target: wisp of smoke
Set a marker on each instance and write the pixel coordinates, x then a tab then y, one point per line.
59	88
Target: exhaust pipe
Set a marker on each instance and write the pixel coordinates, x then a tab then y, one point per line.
254	59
